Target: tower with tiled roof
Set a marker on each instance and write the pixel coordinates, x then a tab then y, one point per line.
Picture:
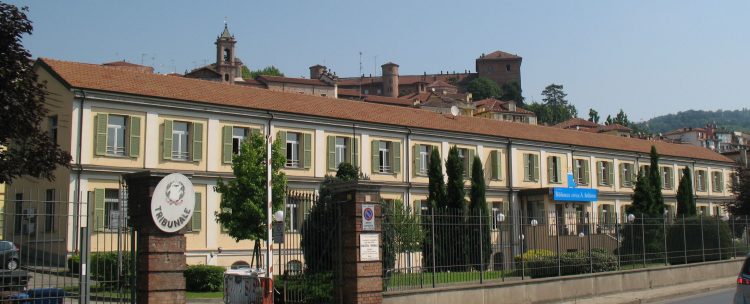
226	64
500	67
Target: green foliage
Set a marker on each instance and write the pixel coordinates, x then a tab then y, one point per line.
401	232
543	263
554	107
436	201
685	199
642	234
454	168
478	216
716	238
102	266
741	191
268	71
311	287
73	264
512	91
243	199
28	148
654	175
647	197
731	119
481	88
436	186
593	116
318	233
204	278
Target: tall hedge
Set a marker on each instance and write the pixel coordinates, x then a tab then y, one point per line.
686	243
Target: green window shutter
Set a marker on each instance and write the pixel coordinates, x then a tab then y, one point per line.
536	168
495	163
331	153
599	173
134	130
99	214
307	151
558	168
526	169
550	169
416	159
611	171
355	152
281	137
469	163
100	142
621	170
375	155
226	139
586	172
576	167
167	140
195	222
197	141
396	156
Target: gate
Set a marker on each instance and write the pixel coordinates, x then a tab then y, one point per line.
303	263
52	248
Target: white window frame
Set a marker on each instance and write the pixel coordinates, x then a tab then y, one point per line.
581	171
384	148
424	159
292	150
238	139
117	131
340	148
181	140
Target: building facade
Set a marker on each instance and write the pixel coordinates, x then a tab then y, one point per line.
115	121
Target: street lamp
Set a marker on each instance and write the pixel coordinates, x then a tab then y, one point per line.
631	218
278	216
534	223
500	219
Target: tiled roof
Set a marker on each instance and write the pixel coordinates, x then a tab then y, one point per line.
107	79
127	65
684	130
267	79
576	122
404	79
376	99
494	105
499	55
614	127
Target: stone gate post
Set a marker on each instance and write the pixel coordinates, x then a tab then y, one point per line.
160	260
359	264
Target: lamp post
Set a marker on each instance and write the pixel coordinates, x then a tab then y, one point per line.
631	219
278	216
500	218
534	223
664	228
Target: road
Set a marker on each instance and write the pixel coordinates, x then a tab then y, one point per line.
714	297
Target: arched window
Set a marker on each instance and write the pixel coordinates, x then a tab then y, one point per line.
240	265
227	54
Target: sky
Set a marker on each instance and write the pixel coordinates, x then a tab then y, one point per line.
646	57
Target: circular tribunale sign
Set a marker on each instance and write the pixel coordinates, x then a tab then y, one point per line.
173	202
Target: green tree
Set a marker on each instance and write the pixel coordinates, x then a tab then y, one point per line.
554	107
643	196
478	217
622	118
452	218
243	199
436	184
455	193
685	199
609	120
740	206
401	232
25	147
268	71
512	91
593	116
436	202
481	88
654	175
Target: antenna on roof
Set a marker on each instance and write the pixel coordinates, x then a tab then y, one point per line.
360	72
454	111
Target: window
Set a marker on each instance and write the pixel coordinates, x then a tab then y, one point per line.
497	208
700	180
702	210
717	181
18	218
238	136
180	146
496	163
292	150
531	167
606	214
422	159
341	150
116	135
581	172
49	211
605	174
667	177
292	216
53	128
627	174
386	156
717	211
112	208
293	267
554	169
467	159
507	67
535	211
384	164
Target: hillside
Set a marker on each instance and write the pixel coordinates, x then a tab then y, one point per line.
733	120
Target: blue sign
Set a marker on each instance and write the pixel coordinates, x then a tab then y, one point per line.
571	180
575	194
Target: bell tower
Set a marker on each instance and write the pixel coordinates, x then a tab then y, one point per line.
226	65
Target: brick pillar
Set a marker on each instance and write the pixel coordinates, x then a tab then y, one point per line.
160	260
357	281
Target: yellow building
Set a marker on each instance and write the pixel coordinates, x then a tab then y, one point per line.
116	121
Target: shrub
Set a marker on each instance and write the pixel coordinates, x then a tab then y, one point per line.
103	266
311	287
74	264
544	264
643	234
204	278
716	238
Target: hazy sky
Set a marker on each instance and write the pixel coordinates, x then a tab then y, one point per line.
646	57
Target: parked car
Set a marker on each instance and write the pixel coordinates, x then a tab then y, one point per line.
9	255
742	294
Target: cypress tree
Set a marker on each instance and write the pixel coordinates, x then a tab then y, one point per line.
643	196
437	203
655	179
479	215
455	227
436	185
455	188
685	199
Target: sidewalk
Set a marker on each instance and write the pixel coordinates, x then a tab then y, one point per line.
660	294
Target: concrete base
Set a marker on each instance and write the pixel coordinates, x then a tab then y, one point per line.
554	290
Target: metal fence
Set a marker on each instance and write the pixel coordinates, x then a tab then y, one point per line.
437	247
52	248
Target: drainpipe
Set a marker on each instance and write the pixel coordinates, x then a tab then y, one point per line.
407	149
511	190
78	169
